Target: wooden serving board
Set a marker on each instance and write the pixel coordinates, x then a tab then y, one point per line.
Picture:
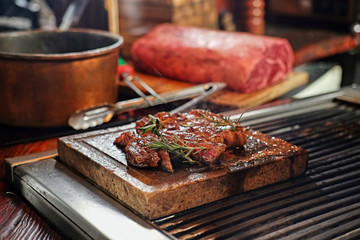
154	193
227	97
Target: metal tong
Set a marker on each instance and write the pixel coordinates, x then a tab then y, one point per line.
100	114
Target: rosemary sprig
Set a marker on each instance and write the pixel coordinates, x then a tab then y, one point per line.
176	147
152	126
222	122
242	114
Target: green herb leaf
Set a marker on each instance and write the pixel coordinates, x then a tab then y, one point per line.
222	122
176	147
152	126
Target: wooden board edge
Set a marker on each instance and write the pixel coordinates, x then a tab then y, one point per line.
226	97
244	100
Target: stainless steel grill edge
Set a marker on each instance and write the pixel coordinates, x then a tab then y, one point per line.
324	203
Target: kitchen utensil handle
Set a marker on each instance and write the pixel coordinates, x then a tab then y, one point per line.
138	103
210	90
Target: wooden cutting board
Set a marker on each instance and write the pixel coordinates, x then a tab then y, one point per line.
154	193
227	97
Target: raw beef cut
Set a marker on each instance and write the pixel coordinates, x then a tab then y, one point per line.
244	61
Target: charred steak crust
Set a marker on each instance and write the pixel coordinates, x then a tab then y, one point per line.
198	136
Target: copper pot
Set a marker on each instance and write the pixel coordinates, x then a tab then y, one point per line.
45	76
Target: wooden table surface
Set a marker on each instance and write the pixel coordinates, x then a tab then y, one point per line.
18	220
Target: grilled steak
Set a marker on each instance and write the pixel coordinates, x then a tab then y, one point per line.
198	136
244	61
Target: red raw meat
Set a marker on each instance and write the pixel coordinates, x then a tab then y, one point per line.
244	61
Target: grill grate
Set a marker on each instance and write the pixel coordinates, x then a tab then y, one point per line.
324	203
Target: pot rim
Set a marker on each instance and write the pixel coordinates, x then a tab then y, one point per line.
119	40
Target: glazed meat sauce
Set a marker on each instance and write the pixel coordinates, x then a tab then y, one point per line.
196	137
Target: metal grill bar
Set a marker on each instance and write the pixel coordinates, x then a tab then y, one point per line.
320	133
286	194
318	127
308	119
322	204
315	221
312	119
